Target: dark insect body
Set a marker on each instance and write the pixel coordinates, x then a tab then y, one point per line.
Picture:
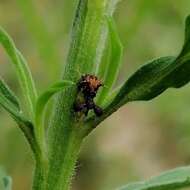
88	86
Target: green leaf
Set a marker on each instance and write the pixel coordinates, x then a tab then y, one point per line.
110	68
11	104
43	100
186	46
23	73
5	181
158	75
8	94
151	80
147	83
9	101
173	179
24	124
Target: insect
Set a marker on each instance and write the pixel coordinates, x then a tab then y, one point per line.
88	86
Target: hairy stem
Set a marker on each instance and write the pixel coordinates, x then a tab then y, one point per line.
65	130
63	159
40	175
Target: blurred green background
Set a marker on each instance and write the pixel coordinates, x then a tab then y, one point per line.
142	138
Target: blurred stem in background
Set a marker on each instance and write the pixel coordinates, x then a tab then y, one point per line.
44	40
142	7
62	14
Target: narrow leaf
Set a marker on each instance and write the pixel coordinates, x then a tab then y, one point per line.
173	179
24	124
102	52
158	75
23	73
151	80
112	66
9	101
11	104
43	100
186	46
148	82
8	94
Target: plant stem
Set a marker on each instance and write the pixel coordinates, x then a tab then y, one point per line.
70	159
65	131
41	169
39	181
63	159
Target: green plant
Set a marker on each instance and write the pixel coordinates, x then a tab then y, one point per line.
56	148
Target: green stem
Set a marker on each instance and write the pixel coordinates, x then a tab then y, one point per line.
39	181
69	163
41	168
62	161
65	131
